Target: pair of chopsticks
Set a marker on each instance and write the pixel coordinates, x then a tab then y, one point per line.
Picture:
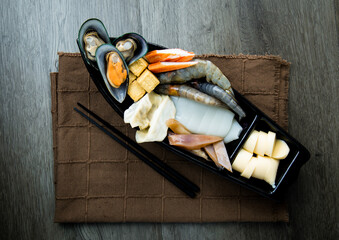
147	157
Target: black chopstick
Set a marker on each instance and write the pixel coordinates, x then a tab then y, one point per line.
162	168
187	182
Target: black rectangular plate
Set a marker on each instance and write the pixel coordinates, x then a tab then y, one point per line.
255	119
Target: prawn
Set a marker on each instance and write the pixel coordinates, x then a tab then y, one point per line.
190	93
219	93
203	68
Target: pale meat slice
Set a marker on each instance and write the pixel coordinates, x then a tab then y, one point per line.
209	149
179	128
192	141
222	156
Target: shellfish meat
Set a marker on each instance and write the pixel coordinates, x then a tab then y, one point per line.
127	48
116	72
92	42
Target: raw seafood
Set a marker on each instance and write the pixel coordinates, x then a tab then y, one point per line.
116	72
160	67
127	48
222	156
169	55
234	132
91	35
203	68
113	70
188	92
92	41
203	119
178	128
219	93
209	149
192	141
131	53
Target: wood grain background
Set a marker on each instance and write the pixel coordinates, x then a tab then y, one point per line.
303	32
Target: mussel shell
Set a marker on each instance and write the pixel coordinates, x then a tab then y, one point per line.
118	93
142	46
89	25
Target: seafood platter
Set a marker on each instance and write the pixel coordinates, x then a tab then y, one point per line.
189	106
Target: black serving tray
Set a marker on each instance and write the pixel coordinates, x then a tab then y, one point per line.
255	119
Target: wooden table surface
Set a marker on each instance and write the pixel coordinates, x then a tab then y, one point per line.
303	32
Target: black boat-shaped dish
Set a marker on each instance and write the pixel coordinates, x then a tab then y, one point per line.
255	119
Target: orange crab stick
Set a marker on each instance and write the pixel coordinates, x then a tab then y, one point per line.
169	55
160	67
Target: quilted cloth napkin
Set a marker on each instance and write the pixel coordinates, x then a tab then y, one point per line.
97	180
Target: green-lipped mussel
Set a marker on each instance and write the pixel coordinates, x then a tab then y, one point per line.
127	48
132	46
114	70
92	34
92	41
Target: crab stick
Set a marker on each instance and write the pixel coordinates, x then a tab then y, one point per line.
169	55
160	67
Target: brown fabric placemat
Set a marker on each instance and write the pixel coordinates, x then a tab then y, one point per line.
97	180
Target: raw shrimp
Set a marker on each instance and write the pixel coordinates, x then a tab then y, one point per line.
188	92
204	68
220	94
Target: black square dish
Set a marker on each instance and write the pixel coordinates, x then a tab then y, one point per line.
255	119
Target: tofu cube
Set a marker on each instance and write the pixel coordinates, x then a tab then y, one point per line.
131	77
148	81
135	91
138	66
